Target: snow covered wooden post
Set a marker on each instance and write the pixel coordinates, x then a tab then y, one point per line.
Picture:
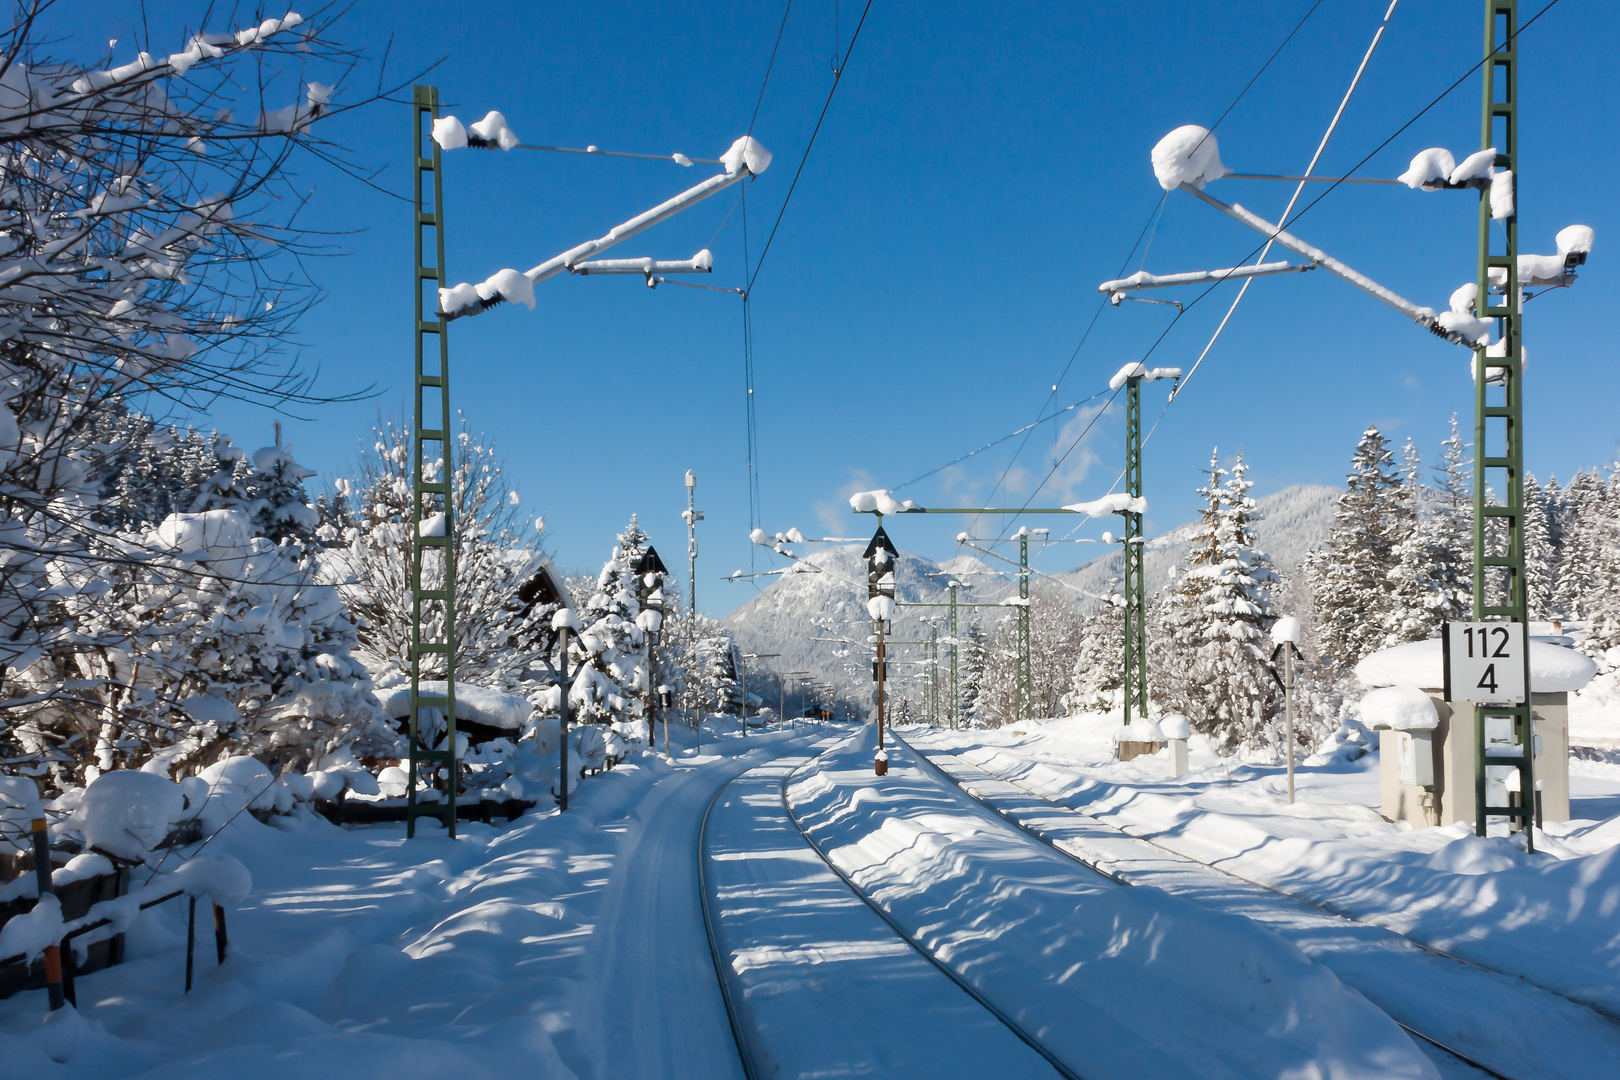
565	622
881	557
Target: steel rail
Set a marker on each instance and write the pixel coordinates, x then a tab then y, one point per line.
745	1052
1118	880
1027	1038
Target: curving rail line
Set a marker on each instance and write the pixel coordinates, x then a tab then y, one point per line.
722	965
1118	879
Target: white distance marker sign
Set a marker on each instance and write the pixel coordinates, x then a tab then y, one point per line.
1484	662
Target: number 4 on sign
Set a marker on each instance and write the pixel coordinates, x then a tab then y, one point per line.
1484	662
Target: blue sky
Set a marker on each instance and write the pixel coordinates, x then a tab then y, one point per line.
981	169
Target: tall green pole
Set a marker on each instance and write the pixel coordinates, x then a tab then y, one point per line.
433	601
1135	587
1499	422
956	685
1026	682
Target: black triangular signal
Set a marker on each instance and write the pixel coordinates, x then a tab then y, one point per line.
880	539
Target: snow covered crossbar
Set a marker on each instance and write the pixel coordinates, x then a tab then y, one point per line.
745	158
1117	503
1144	280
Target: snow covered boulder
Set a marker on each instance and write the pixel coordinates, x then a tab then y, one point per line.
126	814
1188	155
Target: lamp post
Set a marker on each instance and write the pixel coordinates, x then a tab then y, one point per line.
747	656
880	556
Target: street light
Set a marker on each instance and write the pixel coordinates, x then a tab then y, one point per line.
880	556
745	658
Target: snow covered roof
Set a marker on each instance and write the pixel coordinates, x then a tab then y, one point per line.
1404	708
1553	668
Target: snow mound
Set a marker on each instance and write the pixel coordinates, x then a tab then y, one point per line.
1175	726
492	131
1140	730
1502	199
1575	239
1473	331
219	877
1475	167
1136	368
1285	629
19	809
746	153
1118	503
34	931
1553	668
1401	708
125	814
492	708
587	747
1463	297
1188	155
881	608
1471	854
1429	170
212	534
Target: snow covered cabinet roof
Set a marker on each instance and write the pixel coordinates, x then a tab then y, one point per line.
1553	668
481	714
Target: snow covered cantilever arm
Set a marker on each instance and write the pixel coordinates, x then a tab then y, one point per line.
701	263
1144	280
745	158
1425	317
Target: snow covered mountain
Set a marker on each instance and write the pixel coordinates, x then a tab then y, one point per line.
816	619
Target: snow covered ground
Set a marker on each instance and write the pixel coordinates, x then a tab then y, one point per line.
560	946
1550	917
1116	981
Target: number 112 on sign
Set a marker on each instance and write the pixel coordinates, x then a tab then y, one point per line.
1484	662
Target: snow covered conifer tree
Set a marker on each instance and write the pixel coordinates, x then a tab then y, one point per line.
1228	693
1539	557
970	672
1351	576
612	643
1099	668
1586	519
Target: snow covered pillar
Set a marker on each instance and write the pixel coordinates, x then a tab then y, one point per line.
1499	581
1136	696
42	874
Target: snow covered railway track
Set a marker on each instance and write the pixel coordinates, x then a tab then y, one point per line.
1438	998
813	982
